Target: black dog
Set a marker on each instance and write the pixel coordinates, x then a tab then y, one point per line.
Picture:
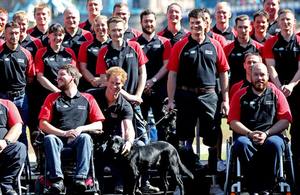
158	154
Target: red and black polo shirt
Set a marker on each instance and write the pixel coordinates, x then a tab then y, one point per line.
263	41
86	25
259	112
15	67
35	32
197	64
130	58
67	113
173	38
32	44
230	34
131	33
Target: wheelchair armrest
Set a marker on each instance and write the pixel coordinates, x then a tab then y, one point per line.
39	137
94	132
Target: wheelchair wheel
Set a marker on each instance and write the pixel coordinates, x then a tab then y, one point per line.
229	170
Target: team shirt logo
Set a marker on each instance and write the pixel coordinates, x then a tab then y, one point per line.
113	115
129	55
1	111
295	49
6	59
208	52
268	102
157	46
21	60
193	52
79	42
142	46
81	107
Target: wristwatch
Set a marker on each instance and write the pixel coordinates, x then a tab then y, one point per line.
153	79
7	141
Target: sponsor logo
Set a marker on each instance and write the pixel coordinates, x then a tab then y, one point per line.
193	52
81	107
129	55
21	60
51	59
113	115
1	111
6	59
157	46
208	52
79	42
281	49
142	46
114	58
268	102
295	49
239	54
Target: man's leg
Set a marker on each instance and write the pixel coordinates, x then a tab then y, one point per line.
11	160
139	125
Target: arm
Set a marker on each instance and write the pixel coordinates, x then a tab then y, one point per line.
12	135
95	81
30	80
129	134
288	89
273	73
172	85
46	83
142	80
224	81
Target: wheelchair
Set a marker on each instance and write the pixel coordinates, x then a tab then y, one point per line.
68	160
234	177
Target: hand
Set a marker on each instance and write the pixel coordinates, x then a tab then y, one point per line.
149	84
170	107
287	89
259	137
135	99
225	108
70	139
73	133
2	145
96	82
126	147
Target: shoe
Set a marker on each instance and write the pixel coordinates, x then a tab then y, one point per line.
10	191
216	190
221	166
149	188
264	193
57	187
79	185
119	189
177	191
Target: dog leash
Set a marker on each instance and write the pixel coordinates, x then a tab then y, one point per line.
164	117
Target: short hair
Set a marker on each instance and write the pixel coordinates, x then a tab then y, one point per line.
41	6
72	70
114	19
253	54
223	3
20	15
242	18
56	27
120	4
147	12
261	13
285	11
174	4
2	10
73	8
196	13
116	71
87	1
12	24
265	1
205	10
102	17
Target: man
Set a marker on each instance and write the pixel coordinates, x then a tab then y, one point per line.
261	23
3	21
192	76
157	50
17	71
222	15
94	8
174	31
12	152
129	56
42	16
272	8
118	121
122	10
278	49
66	117
235	51
250	59
257	125
74	36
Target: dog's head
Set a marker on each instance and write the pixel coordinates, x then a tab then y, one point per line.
116	144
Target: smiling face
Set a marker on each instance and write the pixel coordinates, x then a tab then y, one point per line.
12	36
222	14
94	7
64	79
272	7
71	18
259	77
286	22
243	29
23	26
249	62
116	31
114	85
122	12
100	28
3	20
148	24
56	38
197	26
174	14
261	24
42	16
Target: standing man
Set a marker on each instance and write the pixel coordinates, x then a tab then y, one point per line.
157	50
57	121
192	76
272	8
122	10
261	23
94	8
17	71
12	152
257	126
74	36
278	49
222	15
42	16
235	51
129	56
174	31
3	21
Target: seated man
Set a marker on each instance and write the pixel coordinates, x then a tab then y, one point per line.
65	117
258	114
12	152
118	121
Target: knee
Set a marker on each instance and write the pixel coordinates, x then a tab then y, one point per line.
84	137
241	142
20	148
51	140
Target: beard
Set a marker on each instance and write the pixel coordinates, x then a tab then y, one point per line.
258	87
148	32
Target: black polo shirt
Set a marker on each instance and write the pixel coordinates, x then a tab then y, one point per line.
229	34
173	38
130	57
235	54
131	33
197	64
285	54
274	28
48	62
157	50
261	42
86	25
2	37
68	113
15	67
75	41
35	32
32	44
113	114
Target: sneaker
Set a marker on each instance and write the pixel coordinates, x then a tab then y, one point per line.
177	191
221	166
119	189
149	188
216	190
